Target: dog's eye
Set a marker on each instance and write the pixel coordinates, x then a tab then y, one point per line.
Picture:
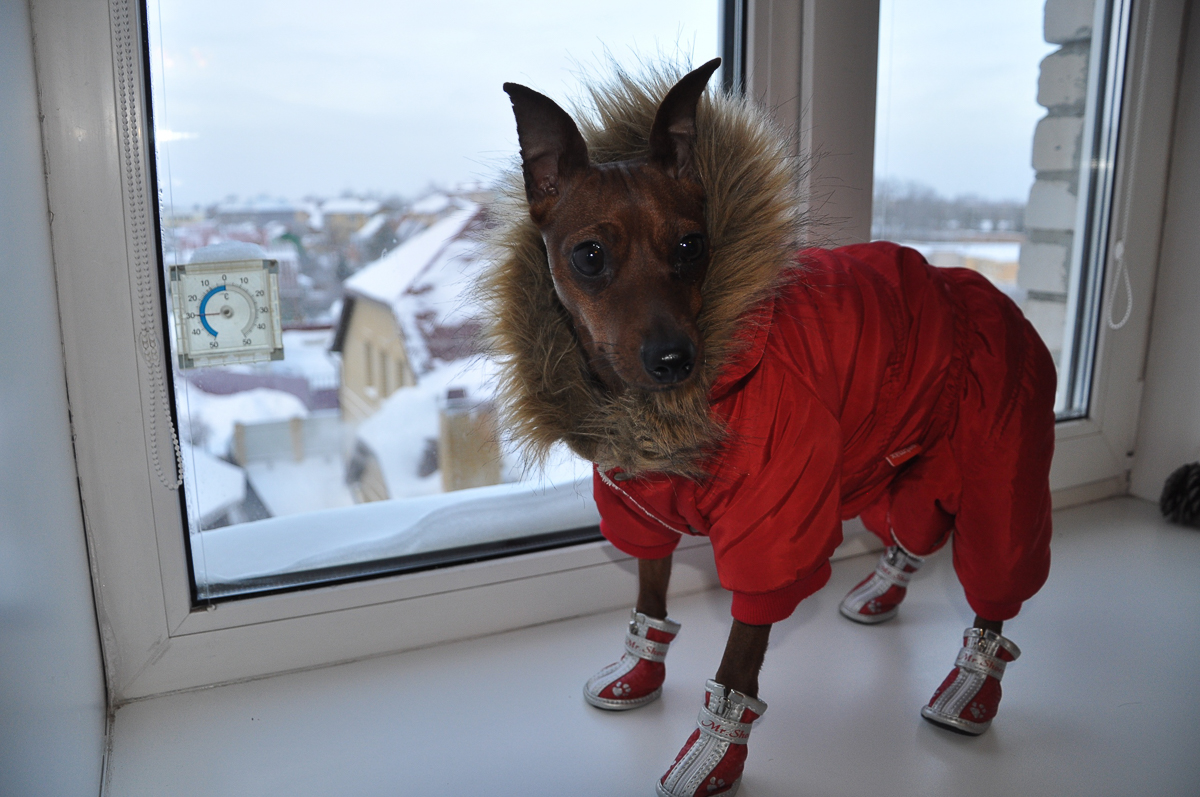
690	248
588	258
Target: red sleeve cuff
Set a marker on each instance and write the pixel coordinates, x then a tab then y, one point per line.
640	551
765	608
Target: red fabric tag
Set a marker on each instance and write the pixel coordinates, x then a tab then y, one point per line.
898	458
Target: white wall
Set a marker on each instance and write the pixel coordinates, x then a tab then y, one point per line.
1169	429
52	701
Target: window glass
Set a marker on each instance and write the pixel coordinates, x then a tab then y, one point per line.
995	131
340	157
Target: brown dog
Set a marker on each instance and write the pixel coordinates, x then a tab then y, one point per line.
853	388
627	248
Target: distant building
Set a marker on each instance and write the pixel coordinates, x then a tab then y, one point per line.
343	217
407	312
260	211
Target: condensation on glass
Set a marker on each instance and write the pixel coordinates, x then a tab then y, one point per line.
355	148
1024	100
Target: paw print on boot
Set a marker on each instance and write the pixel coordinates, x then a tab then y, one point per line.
715	783
978	710
620	689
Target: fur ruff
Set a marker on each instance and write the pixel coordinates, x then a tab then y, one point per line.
547	392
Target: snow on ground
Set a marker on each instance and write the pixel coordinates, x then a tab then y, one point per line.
997	251
287	487
420	517
208	420
384	529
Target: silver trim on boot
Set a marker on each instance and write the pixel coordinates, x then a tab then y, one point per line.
889	572
720	726
976	661
637	647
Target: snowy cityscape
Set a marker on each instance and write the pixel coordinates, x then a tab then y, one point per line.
384	391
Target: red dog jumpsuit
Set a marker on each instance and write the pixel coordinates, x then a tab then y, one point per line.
871	384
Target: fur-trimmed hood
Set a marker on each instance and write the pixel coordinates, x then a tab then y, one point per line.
546	390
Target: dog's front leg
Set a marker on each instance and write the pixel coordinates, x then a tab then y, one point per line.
637	678
654	575
713	757
743	659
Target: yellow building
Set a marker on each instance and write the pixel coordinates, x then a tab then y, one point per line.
409	323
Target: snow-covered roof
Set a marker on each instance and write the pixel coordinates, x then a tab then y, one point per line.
217	486
228	251
350	206
210	419
427	282
432	204
287	487
258	204
370	228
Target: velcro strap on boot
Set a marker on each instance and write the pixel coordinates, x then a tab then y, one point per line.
893	575
980	663
638	623
723	729
645	648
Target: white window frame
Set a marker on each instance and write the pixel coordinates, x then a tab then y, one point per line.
90	78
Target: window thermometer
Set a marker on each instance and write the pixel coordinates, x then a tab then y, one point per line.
226	312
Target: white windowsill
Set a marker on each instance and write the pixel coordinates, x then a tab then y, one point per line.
503	714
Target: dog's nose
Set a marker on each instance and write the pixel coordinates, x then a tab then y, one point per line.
670	361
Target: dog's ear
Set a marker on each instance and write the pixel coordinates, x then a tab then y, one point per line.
673	135
551	147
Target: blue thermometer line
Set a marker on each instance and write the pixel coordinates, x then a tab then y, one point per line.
204	304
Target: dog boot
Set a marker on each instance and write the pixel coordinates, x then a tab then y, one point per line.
638	677
712	759
967	700
878	596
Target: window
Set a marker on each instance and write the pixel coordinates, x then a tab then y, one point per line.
93	88
368	361
995	134
360	151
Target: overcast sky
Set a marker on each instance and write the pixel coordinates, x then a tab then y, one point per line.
304	98
957	94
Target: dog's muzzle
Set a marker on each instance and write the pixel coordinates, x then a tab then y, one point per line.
669	362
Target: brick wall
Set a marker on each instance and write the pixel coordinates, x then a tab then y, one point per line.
1057	143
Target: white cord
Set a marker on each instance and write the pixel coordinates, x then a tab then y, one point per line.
1123	272
145	263
1119	249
